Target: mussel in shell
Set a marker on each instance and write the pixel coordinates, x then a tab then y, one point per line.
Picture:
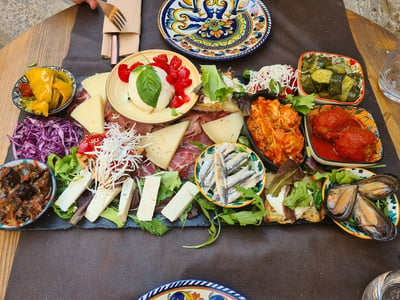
340	200
372	221
378	186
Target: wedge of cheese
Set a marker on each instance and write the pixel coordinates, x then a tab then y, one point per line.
96	85
180	201
125	199
148	198
77	186
163	143
225	129
90	114
101	199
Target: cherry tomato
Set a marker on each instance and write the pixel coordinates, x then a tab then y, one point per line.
180	86
162	58
123	72
175	63
135	65
176	102
161	65
184	73
89	142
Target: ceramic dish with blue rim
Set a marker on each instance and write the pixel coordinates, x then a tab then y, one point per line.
32	187
63	92
192	289
353	225
214	30
221	168
324	152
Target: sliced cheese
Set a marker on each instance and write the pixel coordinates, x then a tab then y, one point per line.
163	143
125	199
180	201
225	129
101	199
148	198
96	85
90	114
77	186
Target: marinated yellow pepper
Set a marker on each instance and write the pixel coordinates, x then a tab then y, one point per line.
50	88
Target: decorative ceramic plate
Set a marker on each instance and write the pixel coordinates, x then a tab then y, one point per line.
332	159
48	198
391	202
250	170
350	67
214	30
16	94
117	90
192	289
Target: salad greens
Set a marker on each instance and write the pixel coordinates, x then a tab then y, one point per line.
213	85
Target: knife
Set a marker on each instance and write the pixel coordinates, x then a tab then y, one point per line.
114	49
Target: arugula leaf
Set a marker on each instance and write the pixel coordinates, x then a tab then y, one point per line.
155	226
213	231
213	85
275	87
64	215
148	85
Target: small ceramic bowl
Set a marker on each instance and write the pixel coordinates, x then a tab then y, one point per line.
269	162
47	200
391	203
16	94
251	163
327	93
323	151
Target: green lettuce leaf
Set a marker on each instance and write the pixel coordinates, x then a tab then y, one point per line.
213	85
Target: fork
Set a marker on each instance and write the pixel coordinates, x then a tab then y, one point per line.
113	14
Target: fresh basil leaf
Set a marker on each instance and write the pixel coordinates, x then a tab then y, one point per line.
148	85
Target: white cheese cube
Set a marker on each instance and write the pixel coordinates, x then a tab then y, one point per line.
180	201
77	186
125	199
102	198
148	198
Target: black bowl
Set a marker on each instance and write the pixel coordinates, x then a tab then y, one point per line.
267	162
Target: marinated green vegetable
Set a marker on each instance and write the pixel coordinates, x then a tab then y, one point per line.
336	81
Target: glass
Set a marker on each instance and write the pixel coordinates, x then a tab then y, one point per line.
389	78
384	287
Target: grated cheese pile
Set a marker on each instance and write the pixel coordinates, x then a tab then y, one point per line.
284	74
117	156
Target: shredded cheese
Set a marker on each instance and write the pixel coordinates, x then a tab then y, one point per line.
117	156
284	74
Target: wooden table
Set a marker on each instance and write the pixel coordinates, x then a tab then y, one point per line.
48	42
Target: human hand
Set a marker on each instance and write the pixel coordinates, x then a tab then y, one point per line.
92	3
